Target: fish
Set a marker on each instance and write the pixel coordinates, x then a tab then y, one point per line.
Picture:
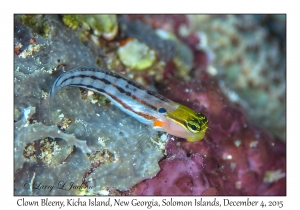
146	106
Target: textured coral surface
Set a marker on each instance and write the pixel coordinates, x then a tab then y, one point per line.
235	158
230	67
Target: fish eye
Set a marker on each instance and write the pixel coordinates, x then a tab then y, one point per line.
193	126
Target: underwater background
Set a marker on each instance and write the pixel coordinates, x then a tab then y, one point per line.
230	67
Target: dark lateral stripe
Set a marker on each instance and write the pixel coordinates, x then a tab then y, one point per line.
105	81
121	90
149	117
143	102
89	87
146	90
135	84
157	96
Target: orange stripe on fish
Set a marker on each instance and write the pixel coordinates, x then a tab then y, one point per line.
145	105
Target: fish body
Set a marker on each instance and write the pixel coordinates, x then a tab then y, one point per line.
145	105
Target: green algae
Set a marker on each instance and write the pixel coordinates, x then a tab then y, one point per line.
105	25
37	23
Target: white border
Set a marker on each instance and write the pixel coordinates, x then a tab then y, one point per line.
8	8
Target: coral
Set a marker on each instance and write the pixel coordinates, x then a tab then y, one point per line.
186	178
91	128
210	63
249	55
164	43
245	52
136	55
37	23
51	54
105	25
165	49
235	158
184	57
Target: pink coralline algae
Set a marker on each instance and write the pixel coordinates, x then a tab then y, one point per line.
235	158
